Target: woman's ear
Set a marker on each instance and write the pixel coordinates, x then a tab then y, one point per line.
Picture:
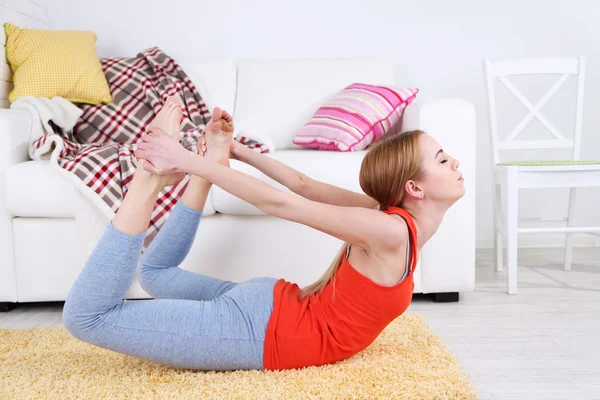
413	190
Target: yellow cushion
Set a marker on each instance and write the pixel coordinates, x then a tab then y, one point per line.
55	63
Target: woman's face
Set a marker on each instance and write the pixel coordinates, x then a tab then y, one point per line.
441	180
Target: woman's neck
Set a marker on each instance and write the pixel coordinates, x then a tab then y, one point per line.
428	217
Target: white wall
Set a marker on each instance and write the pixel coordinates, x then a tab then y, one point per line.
23	13
438	46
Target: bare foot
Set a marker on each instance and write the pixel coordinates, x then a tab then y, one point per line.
217	137
167	120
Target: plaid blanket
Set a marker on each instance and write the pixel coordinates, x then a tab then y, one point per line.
100	149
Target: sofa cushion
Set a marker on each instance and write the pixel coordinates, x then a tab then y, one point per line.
336	168
275	98
49	63
355	118
35	189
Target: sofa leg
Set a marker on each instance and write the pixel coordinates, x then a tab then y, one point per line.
449	297
5	307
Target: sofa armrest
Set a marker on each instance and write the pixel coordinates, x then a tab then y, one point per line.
441	118
448	258
15	128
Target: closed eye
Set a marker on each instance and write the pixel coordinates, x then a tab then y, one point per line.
440	151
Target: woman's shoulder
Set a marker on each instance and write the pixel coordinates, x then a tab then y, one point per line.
397	210
401	212
407	222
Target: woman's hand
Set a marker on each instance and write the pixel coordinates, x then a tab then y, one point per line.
234	151
201	145
164	153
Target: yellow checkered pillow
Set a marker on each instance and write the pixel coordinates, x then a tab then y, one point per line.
55	63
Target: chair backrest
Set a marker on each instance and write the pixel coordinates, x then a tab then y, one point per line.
502	69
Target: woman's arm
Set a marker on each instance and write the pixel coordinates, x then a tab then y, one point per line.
366	228
299	183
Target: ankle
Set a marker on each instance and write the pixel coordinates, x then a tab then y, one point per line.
198	183
146	181
145	191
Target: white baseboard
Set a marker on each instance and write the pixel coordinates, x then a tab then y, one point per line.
545	240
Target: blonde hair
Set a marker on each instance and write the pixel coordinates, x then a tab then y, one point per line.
389	163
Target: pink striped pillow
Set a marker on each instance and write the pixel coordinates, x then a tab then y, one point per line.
356	117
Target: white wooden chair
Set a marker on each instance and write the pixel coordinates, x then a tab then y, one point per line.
512	176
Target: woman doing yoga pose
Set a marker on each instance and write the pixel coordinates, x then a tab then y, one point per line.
199	322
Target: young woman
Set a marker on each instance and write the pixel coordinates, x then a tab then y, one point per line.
199	322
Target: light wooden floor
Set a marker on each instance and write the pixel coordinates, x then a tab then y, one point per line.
543	343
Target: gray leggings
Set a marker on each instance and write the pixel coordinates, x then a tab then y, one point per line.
195	322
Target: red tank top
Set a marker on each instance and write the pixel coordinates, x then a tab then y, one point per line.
330	328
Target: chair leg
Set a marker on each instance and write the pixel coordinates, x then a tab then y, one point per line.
512	217
498	245
569	241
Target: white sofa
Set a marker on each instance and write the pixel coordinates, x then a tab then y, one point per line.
39	249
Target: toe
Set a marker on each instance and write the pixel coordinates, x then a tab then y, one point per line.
171	103
217	114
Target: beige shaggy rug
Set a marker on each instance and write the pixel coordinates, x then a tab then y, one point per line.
407	361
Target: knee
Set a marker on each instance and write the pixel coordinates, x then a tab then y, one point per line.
70	314
144	270
77	322
74	322
146	278
148	273
71	323
156	280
